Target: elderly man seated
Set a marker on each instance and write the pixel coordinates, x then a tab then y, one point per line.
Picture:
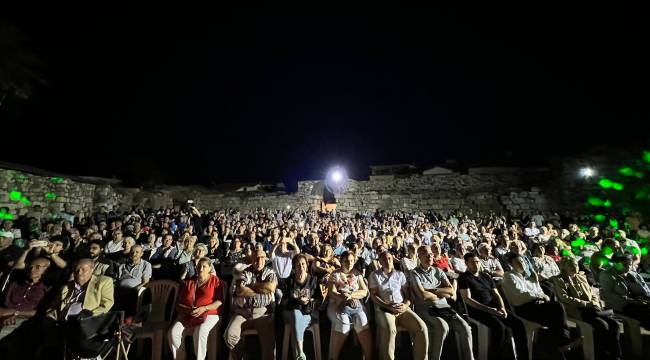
84	296
252	307
131	277
22	295
86	292
624	290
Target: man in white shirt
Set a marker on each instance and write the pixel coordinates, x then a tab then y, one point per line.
281	262
389	292
530	302
489	263
116	244
531	231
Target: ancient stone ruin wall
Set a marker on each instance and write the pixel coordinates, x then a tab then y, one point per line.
507	193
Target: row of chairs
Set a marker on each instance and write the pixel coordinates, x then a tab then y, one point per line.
165	292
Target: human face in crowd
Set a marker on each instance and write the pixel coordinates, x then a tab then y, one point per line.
82	272
199	252
571	268
327	251
151	239
625	266
518	264
425	255
473	264
485	251
168	240
8	224
136	254
214	241
55	247
259	259
203	269
386	261
347	263
301	266
117	236
37	268
435	249
95	251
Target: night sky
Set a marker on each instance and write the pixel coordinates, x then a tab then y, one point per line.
208	95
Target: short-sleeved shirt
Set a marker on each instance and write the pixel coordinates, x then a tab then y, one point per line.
250	277
389	286
429	279
490	264
130	275
191	295
21	295
480	287
346	282
281	264
293	290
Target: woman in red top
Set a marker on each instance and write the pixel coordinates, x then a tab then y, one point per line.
199	306
440	261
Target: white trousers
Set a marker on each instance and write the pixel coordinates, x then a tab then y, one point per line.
200	337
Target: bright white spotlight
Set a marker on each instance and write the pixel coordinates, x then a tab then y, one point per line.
337	176
587	172
336	179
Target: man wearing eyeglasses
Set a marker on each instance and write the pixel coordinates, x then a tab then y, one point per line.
22	295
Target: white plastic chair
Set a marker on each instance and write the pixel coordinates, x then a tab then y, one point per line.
314	328
158	321
531	327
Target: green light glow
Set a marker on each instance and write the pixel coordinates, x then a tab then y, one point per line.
607	251
50	196
607	204
25	200
566	252
578	242
56	180
599	217
646	156
15	195
644	251
594	201
605	183
626	171
613	223
617	186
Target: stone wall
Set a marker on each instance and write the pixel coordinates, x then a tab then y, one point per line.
507	192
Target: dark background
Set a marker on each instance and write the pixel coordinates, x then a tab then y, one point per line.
162	94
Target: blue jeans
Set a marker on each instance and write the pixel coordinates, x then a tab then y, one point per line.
299	323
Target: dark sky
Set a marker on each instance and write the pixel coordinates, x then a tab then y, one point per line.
208	95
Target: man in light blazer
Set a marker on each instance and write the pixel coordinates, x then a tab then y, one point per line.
87	292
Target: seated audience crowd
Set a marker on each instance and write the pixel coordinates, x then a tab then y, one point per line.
373	274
